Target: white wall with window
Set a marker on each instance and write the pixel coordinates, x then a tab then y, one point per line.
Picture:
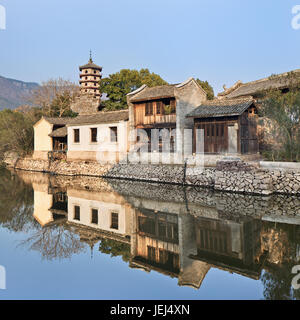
95	140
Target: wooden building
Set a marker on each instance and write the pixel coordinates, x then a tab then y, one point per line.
165	107
50	136
229	126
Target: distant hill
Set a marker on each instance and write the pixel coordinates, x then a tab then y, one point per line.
14	93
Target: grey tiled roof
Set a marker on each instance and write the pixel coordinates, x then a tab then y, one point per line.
60	132
251	88
165	91
221	107
58	121
91	65
100	117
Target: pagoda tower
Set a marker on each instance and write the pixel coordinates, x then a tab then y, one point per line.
90	75
89	99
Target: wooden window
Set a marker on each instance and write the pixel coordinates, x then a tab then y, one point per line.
159	107
77	213
94	134
146	225
149	109
173	106
222	130
151	253
113	134
95	216
76	136
114	220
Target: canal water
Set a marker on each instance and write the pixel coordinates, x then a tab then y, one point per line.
89	238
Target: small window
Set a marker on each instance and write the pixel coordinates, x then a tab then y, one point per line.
113	134
76	136
95	71
77	213
159	108
149	109
151	253
86	71
94	134
173	106
114	220
95	216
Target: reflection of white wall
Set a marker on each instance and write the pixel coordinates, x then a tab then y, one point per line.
104	214
42	203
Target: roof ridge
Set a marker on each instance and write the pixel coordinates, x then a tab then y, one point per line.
269	78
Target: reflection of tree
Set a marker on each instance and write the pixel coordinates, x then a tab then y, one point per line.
281	242
16	202
277	284
115	248
54	242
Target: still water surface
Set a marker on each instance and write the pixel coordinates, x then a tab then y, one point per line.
89	238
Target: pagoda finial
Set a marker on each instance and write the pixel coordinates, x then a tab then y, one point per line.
91	60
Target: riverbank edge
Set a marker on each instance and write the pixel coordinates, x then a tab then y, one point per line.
229	175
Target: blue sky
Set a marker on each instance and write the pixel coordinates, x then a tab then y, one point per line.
215	40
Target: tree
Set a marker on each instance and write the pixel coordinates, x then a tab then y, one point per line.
119	84
283	108
16	133
207	88
54	97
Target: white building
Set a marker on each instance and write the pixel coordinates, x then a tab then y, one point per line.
98	137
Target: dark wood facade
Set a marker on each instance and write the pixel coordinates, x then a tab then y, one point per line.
159	113
218	132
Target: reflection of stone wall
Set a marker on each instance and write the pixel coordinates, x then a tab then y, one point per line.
178	199
233	176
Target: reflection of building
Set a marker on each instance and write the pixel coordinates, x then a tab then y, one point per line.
182	239
156	241
49	206
230	245
107	213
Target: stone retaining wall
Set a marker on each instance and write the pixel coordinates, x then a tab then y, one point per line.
231	175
